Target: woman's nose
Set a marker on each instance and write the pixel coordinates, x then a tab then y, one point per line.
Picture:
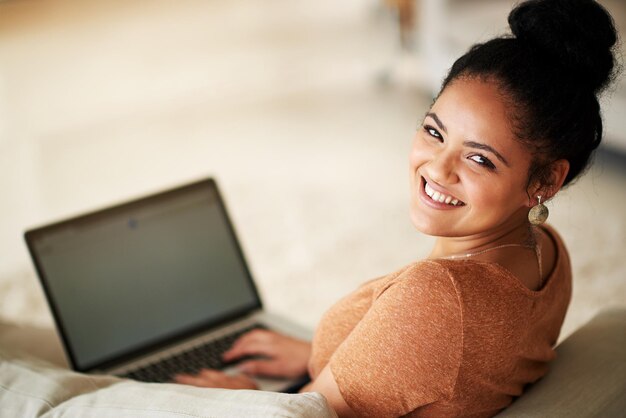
442	167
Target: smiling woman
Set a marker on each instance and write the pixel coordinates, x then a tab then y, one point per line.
464	331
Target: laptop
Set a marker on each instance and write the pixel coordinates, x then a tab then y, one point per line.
152	287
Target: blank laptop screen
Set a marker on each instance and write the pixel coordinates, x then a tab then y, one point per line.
131	276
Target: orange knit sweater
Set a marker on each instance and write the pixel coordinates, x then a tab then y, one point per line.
442	338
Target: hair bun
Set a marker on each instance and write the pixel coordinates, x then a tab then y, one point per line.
579	34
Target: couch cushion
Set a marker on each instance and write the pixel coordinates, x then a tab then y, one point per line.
588	376
31	388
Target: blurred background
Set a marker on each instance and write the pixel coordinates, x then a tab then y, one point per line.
303	111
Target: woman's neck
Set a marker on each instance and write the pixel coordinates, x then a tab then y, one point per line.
518	232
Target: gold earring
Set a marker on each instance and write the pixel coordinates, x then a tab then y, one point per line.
538	213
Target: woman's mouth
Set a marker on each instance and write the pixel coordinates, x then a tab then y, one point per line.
439	197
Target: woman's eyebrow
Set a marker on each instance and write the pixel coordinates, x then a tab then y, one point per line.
485	147
437	121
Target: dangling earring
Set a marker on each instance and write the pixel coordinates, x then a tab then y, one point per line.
538	213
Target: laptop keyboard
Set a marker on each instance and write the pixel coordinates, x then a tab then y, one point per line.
207	355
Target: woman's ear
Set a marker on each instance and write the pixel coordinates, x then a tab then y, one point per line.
550	182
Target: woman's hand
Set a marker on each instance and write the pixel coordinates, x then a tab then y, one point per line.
282	356
209	378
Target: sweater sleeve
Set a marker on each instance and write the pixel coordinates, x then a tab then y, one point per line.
406	351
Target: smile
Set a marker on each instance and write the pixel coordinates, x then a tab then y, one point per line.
440	197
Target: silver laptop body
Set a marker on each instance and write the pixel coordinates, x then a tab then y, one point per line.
136	284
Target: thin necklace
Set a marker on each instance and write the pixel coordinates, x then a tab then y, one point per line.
457	256
536	247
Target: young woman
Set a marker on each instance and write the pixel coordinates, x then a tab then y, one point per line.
462	332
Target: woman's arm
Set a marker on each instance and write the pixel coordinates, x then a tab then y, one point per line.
327	386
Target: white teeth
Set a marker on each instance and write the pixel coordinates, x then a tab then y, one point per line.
440	197
429	190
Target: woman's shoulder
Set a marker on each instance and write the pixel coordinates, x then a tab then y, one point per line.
461	280
432	272
421	280
428	274
558	243
495	280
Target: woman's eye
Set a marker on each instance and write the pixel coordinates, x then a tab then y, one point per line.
432	132
482	161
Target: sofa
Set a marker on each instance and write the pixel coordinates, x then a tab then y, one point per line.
587	379
588	376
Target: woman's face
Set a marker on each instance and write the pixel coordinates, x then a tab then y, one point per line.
468	172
